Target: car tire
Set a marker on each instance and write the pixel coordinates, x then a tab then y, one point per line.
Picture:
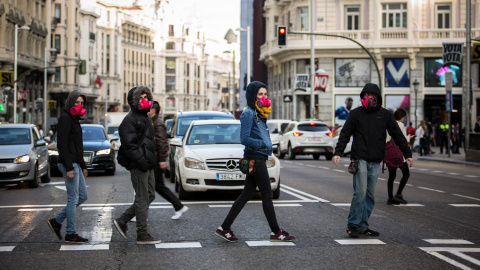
182	194
111	171
329	156
282	155
46	177
316	156
276	192
34	182
291	155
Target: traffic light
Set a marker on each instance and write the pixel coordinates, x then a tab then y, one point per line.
282	35
83	67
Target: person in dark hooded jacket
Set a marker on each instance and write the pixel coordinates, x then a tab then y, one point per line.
71	165
256	138
369	125
137	138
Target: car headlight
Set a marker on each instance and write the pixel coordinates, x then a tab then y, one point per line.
271	163
103	152
52	152
194	164
22	159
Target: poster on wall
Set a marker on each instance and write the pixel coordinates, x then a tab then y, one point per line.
394	102
343	105
397	72
352	72
435	73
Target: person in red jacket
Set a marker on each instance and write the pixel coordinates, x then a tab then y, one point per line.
411	131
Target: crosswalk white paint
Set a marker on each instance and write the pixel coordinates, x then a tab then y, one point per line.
303	193
341	204
431	189
465	205
61	187
98	208
472	176
459	252
477	199
77	247
409	205
360	242
6	248
179	245
160	207
34	209
268	243
448	241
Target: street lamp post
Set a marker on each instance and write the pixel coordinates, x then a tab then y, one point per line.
45	89
230	37
15	70
248	51
415	88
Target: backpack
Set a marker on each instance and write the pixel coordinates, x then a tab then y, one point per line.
393	156
426	134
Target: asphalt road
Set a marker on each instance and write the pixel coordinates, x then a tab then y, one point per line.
438	229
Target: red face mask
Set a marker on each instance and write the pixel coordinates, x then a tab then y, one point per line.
78	110
144	104
368	102
264	102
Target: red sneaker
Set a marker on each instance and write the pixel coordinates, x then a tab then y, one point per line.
226	234
281	236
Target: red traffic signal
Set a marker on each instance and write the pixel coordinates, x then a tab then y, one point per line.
282	35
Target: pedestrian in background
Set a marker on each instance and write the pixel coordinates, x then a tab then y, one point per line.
422	134
443	136
40	130
411	133
138	147
399	116
71	165
368	125
161	148
255	136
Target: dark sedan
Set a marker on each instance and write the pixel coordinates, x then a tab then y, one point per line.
98	151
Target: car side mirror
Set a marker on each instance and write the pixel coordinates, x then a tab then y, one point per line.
176	142
114	139
40	143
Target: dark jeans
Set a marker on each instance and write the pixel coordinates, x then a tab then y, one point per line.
164	191
261	179
443	142
391	177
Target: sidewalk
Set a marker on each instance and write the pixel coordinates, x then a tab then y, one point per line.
454	158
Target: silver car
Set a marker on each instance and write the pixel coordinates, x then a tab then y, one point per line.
23	155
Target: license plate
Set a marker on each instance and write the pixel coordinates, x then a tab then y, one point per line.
314	139
230	176
3	169
86	159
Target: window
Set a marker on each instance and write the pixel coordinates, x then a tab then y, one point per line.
394	16
58	12
170	83
58	74
352	15
170	45
57	43
170	65
443	16
170	104
171	32
275	25
303	19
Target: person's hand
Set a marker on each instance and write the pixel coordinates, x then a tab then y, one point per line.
336	160
70	174
410	162
163	165
85	173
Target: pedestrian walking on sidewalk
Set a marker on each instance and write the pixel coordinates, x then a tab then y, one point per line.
138	147
71	165
399	116
255	137
444	136
368	125
422	135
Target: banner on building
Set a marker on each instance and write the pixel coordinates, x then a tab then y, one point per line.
22	95
321	81
302	81
452	53
397	72
6	78
352	72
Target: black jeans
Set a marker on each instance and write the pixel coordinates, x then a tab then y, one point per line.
261	179
391	177
164	191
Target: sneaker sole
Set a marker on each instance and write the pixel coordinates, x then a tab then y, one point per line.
119	229
275	240
149	242
224	238
53	230
76	242
175	217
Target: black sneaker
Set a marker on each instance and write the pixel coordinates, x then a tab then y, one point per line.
75	238
147	239
400	199
353	232
226	234
55	227
121	227
393	201
369	232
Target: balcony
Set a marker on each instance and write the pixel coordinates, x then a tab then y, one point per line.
55	21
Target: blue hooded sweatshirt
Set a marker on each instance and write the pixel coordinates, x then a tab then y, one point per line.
254	131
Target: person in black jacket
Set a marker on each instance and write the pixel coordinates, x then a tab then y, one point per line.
137	138
369	125
72	166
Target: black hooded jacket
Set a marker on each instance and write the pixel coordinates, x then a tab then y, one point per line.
135	126
369	129
69	135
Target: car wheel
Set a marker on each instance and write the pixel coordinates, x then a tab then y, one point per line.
291	155
277	153
329	156
34	182
316	156
111	171
46	177
281	155
276	192
182	194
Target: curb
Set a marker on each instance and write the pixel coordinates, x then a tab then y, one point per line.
450	161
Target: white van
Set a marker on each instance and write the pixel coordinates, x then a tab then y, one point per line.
276	127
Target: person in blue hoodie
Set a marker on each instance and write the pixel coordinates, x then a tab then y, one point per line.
255	137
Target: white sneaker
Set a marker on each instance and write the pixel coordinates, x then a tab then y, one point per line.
180	212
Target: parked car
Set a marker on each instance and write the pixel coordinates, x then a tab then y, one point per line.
307	138
276	128
207	158
168	124
180	123
348	147
98	151
23	155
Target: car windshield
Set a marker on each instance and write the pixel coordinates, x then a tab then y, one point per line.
12	136
184	122
214	134
272	127
111	130
93	133
312	127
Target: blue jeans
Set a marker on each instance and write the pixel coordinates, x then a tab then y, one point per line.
77	194
363	200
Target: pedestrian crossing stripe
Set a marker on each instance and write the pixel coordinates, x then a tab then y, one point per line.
6	248
341	204
97	208
459	252
448	241
160	207
34	209
465	205
268	243
76	247
179	245
409	204
360	242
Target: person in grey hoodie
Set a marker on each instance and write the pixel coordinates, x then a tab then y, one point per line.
255	137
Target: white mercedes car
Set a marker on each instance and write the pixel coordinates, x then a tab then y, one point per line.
208	159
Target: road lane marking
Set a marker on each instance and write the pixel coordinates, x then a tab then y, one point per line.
303	193
360	242
179	245
311	165
448	241
219	205
463	196
437	171
6	248
455	251
453	173
465	205
287	204
341	204
54	183
160	207
301	164
294	194
325	168
62	187
98	208
423	169
431	189
383	179
472	176
84	247
34	209
338	170
268	243
409	204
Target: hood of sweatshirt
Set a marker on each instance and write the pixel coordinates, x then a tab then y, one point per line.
251	94
373	88
134	94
